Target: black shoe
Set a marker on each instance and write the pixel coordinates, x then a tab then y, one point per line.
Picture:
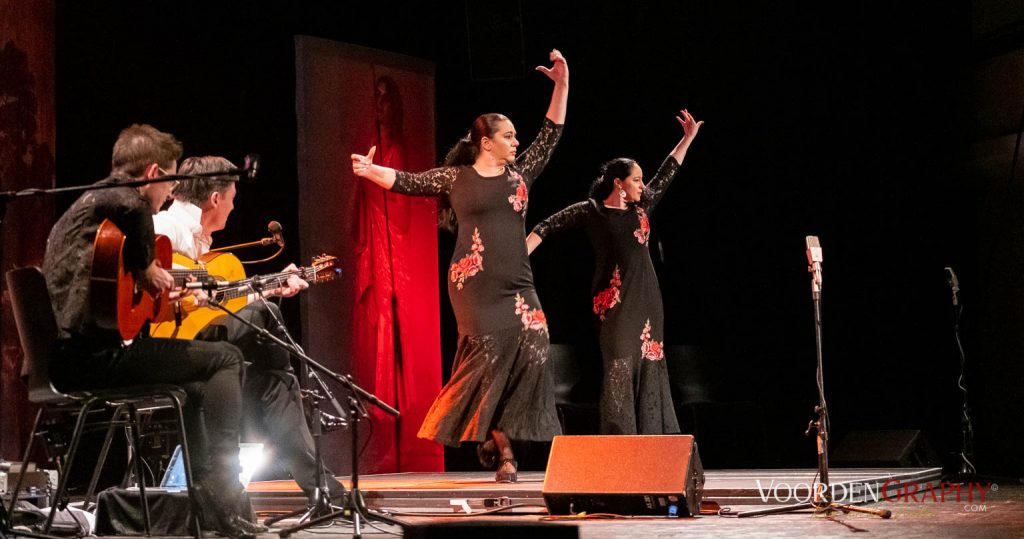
248	519
246	526
507	477
218	517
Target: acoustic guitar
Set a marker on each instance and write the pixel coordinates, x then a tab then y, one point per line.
232	289
118	301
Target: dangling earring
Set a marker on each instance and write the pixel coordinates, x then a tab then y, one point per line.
622	194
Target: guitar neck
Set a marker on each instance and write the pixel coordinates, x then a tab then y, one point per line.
181	274
267	282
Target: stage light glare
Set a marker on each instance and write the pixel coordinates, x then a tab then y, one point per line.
250	456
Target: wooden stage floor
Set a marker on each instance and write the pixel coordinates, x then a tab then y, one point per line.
433	492
422	501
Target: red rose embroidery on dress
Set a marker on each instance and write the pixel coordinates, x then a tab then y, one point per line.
521	196
470	264
651	349
609	297
532	318
644	232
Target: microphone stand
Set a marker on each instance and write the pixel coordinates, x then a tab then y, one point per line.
967	469
321	501
248	172
278	239
821	501
258	243
355	506
263	241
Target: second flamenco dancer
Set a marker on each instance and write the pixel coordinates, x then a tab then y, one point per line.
635	394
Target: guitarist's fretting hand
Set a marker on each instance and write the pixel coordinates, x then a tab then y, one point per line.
293	286
156	279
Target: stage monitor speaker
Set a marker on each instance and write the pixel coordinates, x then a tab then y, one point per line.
625	475
885	448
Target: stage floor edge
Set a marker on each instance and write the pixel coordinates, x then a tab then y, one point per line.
430	492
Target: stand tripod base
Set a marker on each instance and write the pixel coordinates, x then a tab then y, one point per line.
304	514
818	508
355	511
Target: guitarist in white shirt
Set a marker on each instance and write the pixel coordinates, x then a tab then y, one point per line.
271	397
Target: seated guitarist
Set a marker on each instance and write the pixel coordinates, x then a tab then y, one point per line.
270	390
93	357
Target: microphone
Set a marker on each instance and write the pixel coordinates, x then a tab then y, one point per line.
814	260
274	228
954	284
330	422
813	250
205	284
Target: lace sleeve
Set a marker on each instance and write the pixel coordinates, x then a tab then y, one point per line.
574	216
429	183
531	162
656	188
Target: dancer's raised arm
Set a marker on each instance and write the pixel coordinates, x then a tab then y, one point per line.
559	73
666	172
433	182
362	166
690	128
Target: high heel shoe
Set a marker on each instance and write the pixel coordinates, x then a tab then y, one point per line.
507	477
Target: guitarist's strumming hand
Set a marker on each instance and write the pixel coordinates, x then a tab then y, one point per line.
156	279
293	286
200	296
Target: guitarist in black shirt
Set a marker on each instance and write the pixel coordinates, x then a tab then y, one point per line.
91	356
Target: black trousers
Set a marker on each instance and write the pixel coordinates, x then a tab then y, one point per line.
210	372
273	404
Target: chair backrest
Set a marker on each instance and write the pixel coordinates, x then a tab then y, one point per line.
37	329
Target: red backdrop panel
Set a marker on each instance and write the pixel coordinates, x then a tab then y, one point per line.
26	160
382	322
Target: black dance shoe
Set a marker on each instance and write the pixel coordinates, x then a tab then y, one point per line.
507	477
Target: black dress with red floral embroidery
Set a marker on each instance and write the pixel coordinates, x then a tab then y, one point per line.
499	378
635	396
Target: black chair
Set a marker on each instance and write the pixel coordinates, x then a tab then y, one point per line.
37	329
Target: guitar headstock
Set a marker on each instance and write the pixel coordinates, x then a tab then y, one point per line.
324	268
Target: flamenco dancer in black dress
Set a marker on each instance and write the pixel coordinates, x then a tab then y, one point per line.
635	397
500	388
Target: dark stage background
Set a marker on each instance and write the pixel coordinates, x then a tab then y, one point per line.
857	123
